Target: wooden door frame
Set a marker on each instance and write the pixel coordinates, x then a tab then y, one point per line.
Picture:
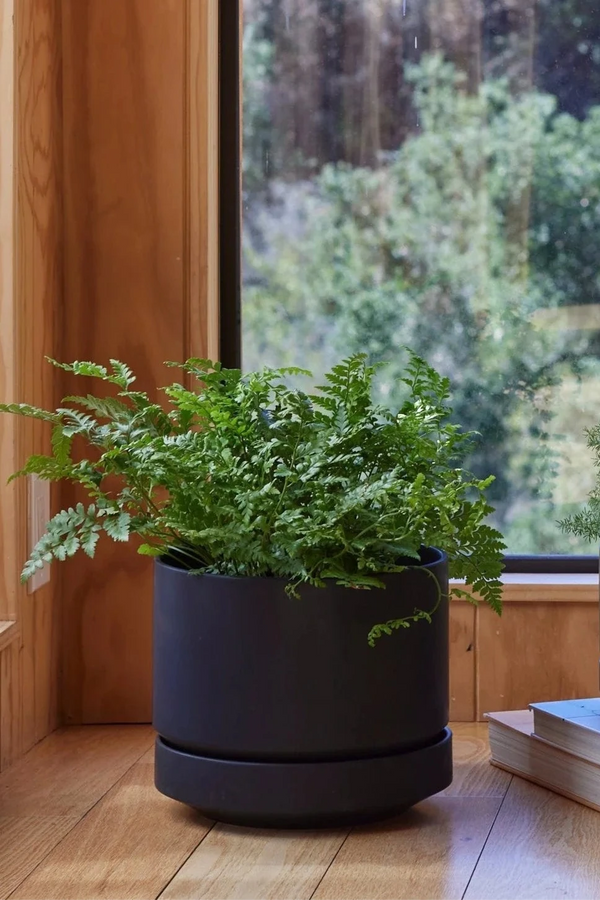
201	185
10	494
30	300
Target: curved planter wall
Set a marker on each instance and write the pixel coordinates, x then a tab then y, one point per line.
275	711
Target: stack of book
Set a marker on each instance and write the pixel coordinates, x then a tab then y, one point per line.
555	745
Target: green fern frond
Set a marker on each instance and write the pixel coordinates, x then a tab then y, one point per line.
117	527
61	445
122	374
47	468
30	412
106	407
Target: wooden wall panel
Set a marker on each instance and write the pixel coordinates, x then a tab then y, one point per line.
140	258
124	298
537	651
29	665
462	661
10	705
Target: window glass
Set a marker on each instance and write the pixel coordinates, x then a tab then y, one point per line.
426	173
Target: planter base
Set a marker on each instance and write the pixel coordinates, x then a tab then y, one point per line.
304	794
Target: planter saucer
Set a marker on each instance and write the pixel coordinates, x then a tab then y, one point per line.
304	794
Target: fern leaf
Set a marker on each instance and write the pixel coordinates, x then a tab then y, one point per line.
117	527
61	445
89	541
107	407
30	412
46	467
80	423
150	550
123	376
90	369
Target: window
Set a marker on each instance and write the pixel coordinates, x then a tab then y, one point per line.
428	174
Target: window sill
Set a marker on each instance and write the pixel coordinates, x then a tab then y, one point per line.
8	632
557	588
556	578
554	588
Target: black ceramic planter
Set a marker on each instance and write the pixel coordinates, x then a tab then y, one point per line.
276	712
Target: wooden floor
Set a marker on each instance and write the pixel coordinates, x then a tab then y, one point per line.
80	818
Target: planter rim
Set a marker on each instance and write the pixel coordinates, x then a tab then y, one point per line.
440	557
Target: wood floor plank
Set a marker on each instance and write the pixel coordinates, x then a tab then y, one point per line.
252	864
541	847
80	818
24	841
70	770
129	846
430	851
473	774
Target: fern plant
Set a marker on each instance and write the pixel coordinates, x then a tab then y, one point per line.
586	523
246	476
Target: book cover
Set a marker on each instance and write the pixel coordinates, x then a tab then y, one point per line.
570	709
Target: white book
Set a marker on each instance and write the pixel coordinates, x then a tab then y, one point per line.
573	725
515	748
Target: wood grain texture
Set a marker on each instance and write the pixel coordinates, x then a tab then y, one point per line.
29	667
202	178
473	774
44	795
462	661
542	846
68	772
430	851
9	631
24	841
83	820
255	865
39	293
8	321
10	705
541	588
128	846
535	652
123	107
140	146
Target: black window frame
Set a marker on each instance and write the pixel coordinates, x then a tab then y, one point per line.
230	185
230	249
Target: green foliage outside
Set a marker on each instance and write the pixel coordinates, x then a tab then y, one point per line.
462	244
586	522
249	477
